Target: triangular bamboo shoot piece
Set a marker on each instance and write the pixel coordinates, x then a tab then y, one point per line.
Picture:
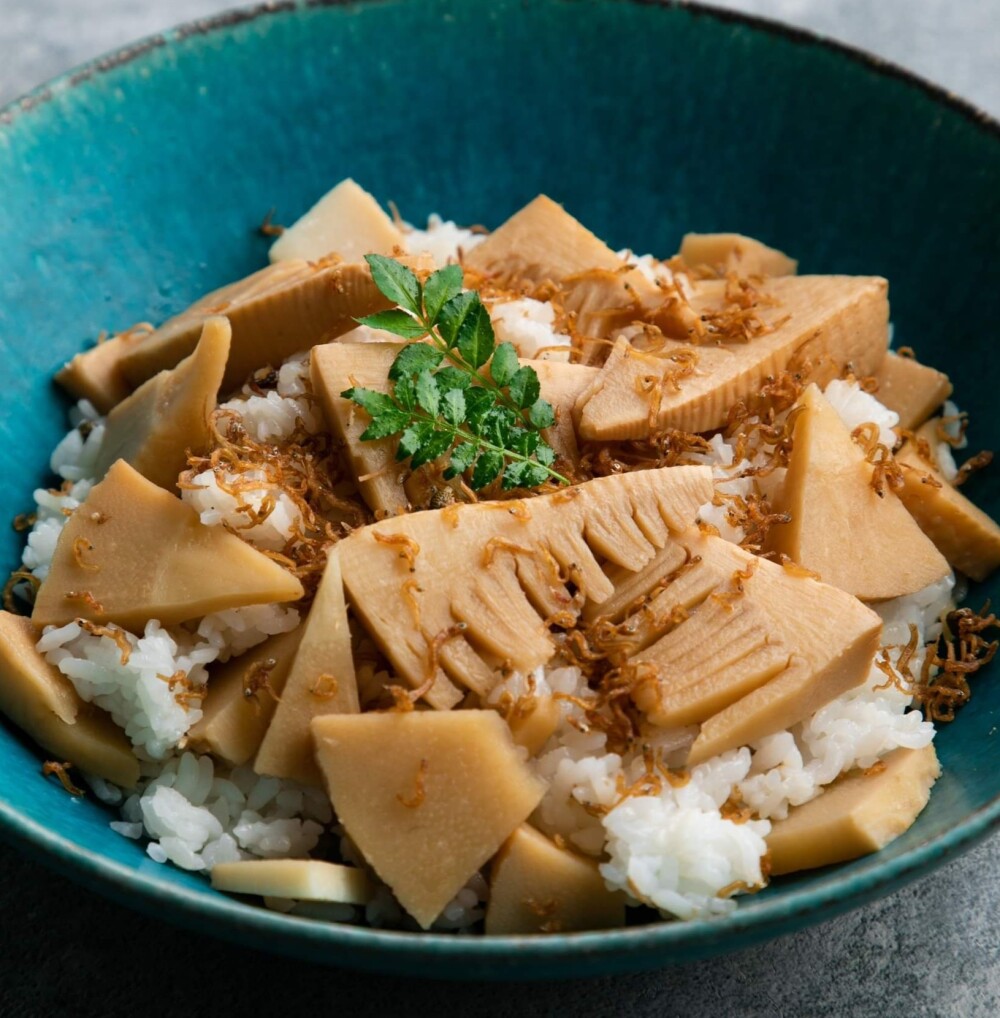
715	254
840	527
169	416
295	879
95	374
533	726
288	307
543	243
538	887
469	587
858	814
386	485
346	221
540	243
724	651
631	587
794	645
241	698
910	388
42	702
428	797
962	532
134	552
819	325
321	681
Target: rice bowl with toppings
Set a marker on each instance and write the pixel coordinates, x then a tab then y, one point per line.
651	459
261	678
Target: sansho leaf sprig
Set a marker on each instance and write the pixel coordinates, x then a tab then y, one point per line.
460	394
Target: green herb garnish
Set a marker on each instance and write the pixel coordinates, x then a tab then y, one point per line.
460	394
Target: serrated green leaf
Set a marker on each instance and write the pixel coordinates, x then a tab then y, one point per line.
405	393
428	394
523	442
396	321
541	414
487	467
475	340
545	454
504	364
453	406
513	475
413	359
449	377
386	423
440	287
395	281
524	387
454	313
497	424
437	444
461	459
477	401
534	475
523	474
373	402
413	438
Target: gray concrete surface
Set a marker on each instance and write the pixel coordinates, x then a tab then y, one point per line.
932	949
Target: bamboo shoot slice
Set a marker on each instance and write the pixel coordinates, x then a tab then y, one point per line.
133	552
427	815
719	253
825	638
321	681
858	814
95	374
241	697
42	702
298	879
820	325
840	527
281	310
346	221
537	887
912	389
542	243
169	416
967	537
437	587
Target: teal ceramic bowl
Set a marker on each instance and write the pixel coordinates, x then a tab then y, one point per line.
135	184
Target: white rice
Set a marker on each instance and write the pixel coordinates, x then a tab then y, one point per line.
856	407
442	240
75	457
197	816
658	272
137	693
235	630
676	852
530	325
74	460
943	450
215	507
274	416
52	508
728	479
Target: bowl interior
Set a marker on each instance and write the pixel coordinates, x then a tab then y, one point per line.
136	185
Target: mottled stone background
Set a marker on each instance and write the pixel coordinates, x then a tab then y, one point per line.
930	949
